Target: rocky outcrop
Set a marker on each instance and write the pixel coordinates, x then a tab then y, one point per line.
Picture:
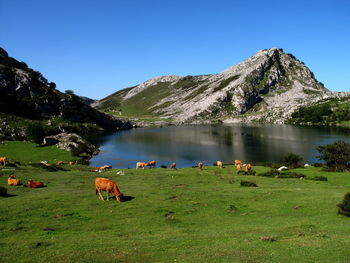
267	87
71	142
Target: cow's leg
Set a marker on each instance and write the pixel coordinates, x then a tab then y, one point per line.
100	196
107	196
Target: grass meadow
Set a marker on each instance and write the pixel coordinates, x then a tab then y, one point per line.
179	215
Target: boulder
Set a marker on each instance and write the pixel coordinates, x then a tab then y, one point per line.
72	142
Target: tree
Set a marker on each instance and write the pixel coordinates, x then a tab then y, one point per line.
69	92
344	207
292	160
336	155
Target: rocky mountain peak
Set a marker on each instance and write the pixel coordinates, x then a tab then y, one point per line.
266	87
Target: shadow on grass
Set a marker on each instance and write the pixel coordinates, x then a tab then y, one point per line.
127	198
7	195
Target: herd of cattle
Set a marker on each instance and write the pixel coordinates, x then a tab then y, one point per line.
104	184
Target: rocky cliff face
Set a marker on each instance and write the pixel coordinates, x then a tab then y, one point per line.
267	87
26	93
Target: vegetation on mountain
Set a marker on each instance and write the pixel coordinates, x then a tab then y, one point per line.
328	112
31	107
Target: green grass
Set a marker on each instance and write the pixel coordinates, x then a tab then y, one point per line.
26	152
183	215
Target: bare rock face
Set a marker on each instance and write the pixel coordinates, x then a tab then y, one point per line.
71	142
267	87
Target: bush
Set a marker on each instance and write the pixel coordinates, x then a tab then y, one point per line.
291	175
292	160
3	191
248	184
344	207
250	172
271	173
336	155
318	178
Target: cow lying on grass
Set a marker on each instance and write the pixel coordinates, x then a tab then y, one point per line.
35	184
104	184
12	180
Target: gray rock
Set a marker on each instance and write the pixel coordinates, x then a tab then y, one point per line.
72	142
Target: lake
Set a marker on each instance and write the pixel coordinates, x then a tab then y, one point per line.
188	144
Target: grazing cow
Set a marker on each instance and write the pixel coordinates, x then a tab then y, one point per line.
219	164
102	168
141	165
104	184
239	168
173	165
151	164
248	167
3	160
238	162
200	165
35	184
12	180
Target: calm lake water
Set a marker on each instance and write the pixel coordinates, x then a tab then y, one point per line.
186	145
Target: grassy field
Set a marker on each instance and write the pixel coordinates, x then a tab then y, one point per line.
183	215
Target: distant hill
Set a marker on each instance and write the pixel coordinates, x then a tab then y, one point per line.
267	87
27	95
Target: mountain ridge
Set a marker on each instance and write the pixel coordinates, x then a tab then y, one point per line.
267	87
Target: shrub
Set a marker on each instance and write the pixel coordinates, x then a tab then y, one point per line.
336	155
36	132
292	160
250	172
3	191
291	175
344	207
318	178
271	173
248	184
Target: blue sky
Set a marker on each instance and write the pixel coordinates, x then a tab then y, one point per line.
98	47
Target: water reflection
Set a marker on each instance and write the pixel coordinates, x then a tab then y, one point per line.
186	145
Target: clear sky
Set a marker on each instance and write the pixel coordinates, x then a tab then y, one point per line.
98	47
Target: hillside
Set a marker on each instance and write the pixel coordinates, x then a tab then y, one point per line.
27	97
267	87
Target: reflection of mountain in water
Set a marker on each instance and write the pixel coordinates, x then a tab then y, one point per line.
188	144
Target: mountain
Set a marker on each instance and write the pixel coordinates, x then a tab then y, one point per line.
267	87
27	95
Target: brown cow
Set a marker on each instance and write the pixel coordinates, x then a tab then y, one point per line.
3	160
35	184
141	165
104	184
102	168
200	165
239	168
238	162
151	164
173	166
219	164
248	167
12	180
